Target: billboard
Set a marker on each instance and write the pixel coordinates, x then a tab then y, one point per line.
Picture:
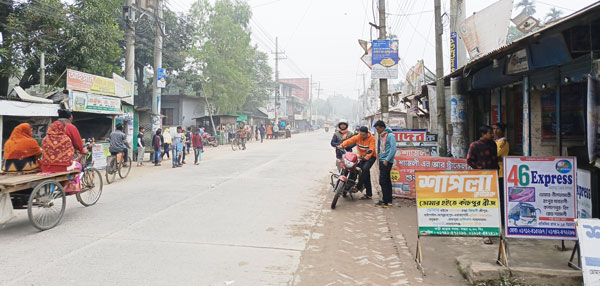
487	29
458	203
589	243
539	196
405	167
384	59
89	83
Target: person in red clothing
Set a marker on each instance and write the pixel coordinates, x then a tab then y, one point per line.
198	148
365	143
66	117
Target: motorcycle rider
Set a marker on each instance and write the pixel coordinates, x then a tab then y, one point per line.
365	143
342	133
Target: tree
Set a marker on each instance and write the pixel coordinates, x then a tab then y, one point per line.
513	34
5	65
222	52
553	15
528	6
262	85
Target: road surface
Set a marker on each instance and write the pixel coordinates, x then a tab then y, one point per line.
250	217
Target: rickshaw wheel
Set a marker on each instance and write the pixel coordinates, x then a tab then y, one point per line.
47	204
91	187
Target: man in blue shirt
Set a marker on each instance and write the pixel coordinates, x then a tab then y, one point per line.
386	150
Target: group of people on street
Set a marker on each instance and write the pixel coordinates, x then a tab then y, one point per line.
176	147
371	148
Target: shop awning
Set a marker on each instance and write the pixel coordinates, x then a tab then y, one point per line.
29	109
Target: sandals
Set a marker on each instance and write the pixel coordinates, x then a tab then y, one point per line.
487	240
365	197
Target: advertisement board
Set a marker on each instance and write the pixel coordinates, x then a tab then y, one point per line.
123	89
99	154
94	103
584	194
384	59
589	245
161	78
405	167
458	203
90	83
539	195
486	30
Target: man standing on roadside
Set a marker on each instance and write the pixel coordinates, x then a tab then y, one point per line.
157	143
177	143
386	150
141	146
197	144
262	132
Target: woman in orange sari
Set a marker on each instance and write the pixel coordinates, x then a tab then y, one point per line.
21	151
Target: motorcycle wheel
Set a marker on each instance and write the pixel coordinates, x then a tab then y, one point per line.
338	192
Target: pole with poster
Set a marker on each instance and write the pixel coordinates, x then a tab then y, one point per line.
459	203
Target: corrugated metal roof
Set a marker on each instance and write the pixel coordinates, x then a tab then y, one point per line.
515	45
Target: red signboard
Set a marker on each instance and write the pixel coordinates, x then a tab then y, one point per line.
403	172
411	136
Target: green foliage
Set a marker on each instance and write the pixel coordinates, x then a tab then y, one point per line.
528	6
81	36
238	73
513	34
553	15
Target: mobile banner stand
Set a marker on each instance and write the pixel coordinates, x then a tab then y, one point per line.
458	203
540	199
584	209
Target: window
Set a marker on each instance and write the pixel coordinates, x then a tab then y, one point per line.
572	113
168	113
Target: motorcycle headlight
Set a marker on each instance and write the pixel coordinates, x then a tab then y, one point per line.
348	163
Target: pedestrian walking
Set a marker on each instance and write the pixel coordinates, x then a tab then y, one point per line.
197	144
243	133
167	142
269	131
275	131
386	150
188	140
262	132
177	144
156	146
256	133
181	147
483	155
141	146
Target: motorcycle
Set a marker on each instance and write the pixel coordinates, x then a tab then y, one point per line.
345	181
326	129
210	140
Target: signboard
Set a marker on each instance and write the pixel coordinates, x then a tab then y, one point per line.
123	88
458	203
99	154
161	78
517	62
411	136
89	83
367	58
93	103
453	59
487	29
414	79
539	196
525	23
397	123
384	60
589	245
584	194
405	167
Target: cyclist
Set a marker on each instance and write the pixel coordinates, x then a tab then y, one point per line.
118	143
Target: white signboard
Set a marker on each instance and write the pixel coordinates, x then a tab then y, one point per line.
539	196
589	245
584	194
517	62
486	30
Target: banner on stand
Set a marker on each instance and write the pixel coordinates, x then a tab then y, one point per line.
458	203
540	197
589	245
405	167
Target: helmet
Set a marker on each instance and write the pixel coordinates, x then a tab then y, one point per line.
342	121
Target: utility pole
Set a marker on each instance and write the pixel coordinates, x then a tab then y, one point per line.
439	85
130	42
459	143
317	111
383	84
310	102
43	71
158	43
277	89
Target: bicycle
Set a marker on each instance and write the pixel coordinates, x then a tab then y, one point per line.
236	143
115	164
91	182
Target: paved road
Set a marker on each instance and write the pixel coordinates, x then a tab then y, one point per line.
240	218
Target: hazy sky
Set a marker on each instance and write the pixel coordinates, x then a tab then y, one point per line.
320	37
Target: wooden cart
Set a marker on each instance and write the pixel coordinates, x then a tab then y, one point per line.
44	197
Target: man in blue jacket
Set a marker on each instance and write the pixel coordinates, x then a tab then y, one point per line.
386	150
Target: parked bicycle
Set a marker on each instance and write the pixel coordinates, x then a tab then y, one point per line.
117	164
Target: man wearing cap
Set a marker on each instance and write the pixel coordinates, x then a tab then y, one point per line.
66	117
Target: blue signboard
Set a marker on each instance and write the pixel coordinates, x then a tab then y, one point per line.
384	60
453	60
161	77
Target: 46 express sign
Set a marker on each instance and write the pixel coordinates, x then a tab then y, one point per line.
540	197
